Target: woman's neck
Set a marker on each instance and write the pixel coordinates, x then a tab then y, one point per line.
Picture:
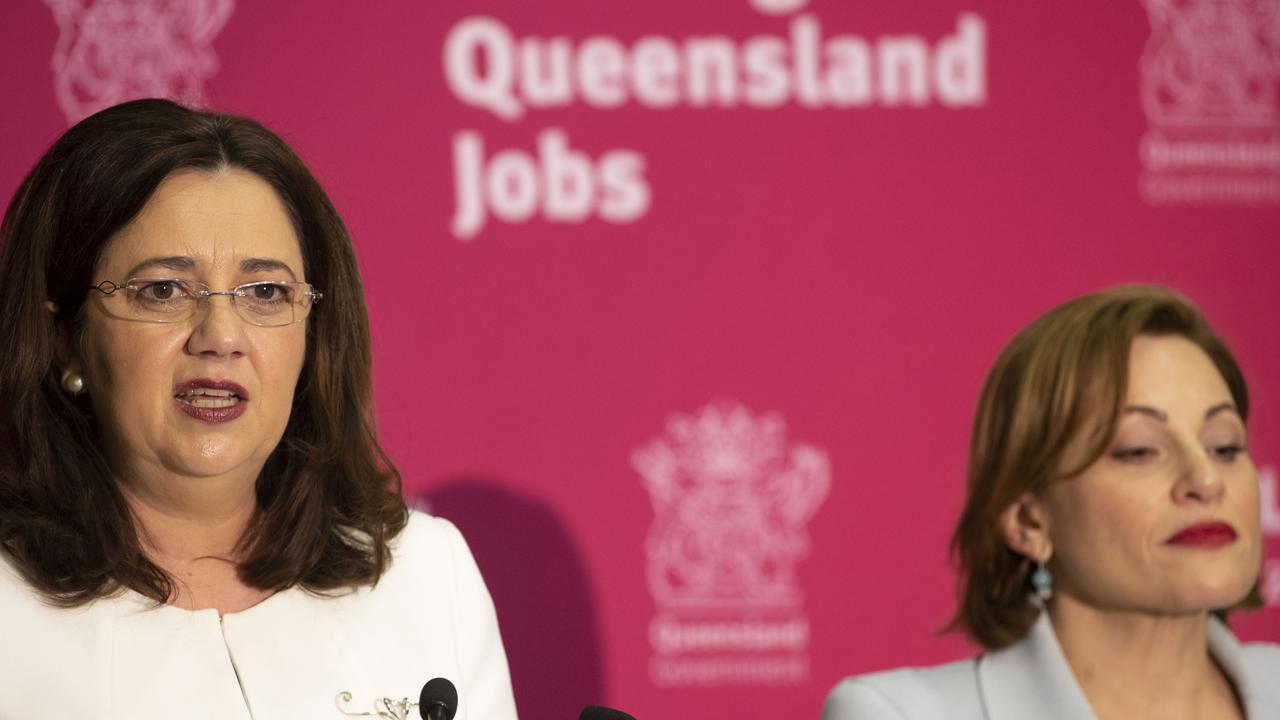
188	518
191	528
1138	665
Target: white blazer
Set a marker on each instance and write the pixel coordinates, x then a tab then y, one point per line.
289	656
1031	679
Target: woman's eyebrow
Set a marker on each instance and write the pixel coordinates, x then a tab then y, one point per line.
181	263
257	265
1219	408
1164	417
1160	415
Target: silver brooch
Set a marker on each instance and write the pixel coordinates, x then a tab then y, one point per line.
385	708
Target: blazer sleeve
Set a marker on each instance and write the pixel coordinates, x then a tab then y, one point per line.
856	699
485	691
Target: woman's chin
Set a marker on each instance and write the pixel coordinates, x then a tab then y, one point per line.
1209	594
1188	595
213	460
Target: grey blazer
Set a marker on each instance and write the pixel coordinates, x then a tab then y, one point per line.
1031	679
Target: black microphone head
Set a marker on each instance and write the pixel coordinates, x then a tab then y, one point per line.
595	712
438	693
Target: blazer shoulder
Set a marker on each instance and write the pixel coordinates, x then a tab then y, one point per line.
427	536
1262	656
429	558
943	691
421	526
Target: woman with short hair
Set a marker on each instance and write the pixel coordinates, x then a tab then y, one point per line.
196	518
1112	520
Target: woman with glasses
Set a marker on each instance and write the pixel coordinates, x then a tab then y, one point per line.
196	518
1112	519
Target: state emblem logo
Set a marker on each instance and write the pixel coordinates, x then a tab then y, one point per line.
110	51
731	498
1209	77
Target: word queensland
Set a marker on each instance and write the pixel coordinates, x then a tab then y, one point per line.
488	67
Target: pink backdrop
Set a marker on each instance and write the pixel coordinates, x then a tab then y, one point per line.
812	260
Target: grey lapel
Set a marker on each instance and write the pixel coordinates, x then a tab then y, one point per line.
1031	678
1257	684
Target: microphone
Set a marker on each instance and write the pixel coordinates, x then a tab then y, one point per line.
596	712
439	700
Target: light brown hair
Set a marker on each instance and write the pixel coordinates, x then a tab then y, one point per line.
328	498
1064	376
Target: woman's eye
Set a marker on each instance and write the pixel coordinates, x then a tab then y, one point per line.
1226	452
1133	454
269	292
162	290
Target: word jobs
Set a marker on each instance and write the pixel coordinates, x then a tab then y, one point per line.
563	184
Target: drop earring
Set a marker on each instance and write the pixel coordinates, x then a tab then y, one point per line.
72	382
1042	581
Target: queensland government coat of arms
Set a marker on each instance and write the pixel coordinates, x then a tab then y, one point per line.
731	498
110	51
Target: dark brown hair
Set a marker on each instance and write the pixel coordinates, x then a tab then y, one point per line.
328	498
1063	375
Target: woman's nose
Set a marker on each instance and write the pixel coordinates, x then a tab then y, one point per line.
1200	477
218	330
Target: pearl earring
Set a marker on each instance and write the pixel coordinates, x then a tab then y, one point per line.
72	382
1042	581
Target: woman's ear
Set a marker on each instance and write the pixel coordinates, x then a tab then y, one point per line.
1025	527
64	356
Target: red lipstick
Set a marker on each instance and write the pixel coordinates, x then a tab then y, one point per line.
1204	535
211	401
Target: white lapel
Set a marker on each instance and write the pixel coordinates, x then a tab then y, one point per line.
1031	679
